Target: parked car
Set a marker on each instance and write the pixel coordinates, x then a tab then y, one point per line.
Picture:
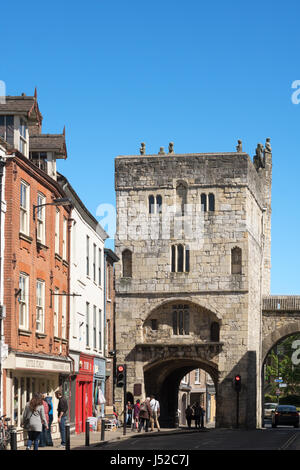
268	408
286	415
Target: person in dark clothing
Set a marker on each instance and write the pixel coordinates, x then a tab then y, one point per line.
62	410
197	415
189	415
49	441
145	414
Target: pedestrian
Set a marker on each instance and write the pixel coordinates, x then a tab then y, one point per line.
49	441
62	410
189	415
128	413
202	413
136	415
42	442
197	414
33	419
155	408
145	414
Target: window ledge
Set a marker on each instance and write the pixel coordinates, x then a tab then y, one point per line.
24	332
25	237
40	335
64	341
57	339
58	257
65	263
41	246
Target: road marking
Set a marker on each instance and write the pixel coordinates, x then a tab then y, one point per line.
289	441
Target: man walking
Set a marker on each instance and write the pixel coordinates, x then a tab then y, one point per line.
155	408
145	415
62	410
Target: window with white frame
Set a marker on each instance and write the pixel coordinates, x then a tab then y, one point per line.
87	255
23	301
56	311
7	128
100	329
197	376
94	262
23	142
57	218
41	216
24	207
95	327
99	266
63	315
40	306
87	325
65	239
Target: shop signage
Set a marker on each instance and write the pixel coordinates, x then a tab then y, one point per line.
41	364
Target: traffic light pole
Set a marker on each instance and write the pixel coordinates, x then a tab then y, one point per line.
237	408
124	399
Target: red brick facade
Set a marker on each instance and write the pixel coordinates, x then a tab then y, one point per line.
24	254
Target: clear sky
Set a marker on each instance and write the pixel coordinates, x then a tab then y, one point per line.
200	74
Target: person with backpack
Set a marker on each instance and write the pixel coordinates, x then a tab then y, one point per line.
145	414
33	419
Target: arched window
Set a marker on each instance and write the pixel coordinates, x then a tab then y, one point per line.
151	204
158	204
127	263
215	332
180	259
203	202
211	202
236	260
181	198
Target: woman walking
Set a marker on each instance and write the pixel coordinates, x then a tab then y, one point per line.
136	415
33	420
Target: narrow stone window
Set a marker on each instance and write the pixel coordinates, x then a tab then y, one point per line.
159	204
211	202
187	260
151	204
203	202
181	198
154	325
236	260
180	252
215	332
127	263
181	321
173	262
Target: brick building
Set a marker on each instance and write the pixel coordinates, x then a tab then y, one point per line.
36	261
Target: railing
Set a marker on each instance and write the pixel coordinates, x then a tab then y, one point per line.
281	302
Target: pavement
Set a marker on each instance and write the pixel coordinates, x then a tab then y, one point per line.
77	441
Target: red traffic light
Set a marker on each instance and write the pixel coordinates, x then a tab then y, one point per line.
120	368
237	378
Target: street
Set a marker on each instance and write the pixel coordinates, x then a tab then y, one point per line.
282	438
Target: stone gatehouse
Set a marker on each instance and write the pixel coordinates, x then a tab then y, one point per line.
193	238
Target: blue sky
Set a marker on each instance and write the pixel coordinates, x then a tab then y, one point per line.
200	74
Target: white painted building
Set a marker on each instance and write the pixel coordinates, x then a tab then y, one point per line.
87	311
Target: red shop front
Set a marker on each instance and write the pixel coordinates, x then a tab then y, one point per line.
84	392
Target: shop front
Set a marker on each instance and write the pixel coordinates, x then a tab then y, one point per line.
84	392
99	387
28	374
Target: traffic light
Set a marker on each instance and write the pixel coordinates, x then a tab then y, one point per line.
120	376
237	383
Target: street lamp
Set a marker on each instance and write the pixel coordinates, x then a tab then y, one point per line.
64	201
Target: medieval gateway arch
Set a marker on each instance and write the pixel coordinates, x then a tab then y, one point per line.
193	283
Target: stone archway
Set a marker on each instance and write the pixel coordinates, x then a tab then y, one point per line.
290	328
162	379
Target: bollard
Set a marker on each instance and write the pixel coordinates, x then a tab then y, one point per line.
87	433
102	429
13	439
67	431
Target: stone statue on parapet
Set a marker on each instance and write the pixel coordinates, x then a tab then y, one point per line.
161	151
259	160
268	147
142	148
239	147
171	147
